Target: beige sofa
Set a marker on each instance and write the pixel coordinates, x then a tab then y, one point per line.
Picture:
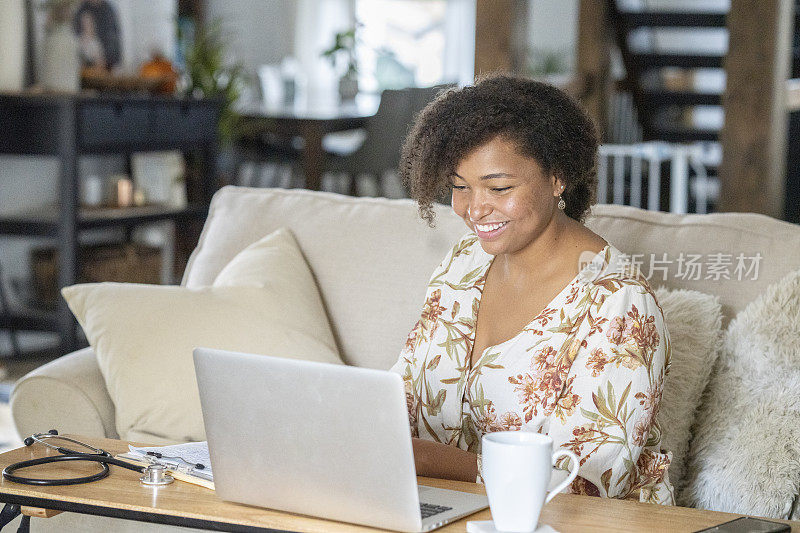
372	259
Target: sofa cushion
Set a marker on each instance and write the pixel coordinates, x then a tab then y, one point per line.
694	322
747	438
144	335
702	251
372	257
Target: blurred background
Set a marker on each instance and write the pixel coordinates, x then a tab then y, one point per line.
120	118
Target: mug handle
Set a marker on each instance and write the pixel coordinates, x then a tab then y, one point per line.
572	475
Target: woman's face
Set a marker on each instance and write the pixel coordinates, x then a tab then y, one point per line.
505	197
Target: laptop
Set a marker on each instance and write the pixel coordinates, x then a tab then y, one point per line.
324	440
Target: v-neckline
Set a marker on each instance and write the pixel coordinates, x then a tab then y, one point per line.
474	332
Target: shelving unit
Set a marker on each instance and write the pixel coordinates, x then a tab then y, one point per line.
71	126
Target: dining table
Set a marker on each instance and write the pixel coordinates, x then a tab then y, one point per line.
311	120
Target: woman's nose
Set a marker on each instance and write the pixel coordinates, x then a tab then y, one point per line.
478	207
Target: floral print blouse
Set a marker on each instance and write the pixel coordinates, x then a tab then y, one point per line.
588	371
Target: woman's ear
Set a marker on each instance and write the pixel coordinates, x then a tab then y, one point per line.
558	185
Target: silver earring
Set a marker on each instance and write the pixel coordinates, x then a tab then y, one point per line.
561	203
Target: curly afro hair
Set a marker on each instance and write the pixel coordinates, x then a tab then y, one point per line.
544	122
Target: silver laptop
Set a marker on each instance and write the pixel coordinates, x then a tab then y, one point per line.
324	440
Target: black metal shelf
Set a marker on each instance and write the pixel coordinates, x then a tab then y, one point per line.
678	134
666	19
29	318
45	222
650	60
73	125
681	98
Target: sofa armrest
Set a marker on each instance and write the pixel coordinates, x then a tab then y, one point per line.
68	394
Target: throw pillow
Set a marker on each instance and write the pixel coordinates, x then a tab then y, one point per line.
744	456
694	322
144	335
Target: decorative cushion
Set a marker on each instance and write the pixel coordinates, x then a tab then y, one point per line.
144	335
694	322
744	456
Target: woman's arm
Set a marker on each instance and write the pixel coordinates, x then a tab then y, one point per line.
434	459
606	413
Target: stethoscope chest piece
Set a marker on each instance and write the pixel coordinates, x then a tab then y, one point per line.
156	475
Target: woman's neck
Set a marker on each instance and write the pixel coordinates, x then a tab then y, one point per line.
537	259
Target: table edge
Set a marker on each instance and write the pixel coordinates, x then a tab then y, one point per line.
135	515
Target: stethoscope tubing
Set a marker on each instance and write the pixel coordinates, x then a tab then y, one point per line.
103	458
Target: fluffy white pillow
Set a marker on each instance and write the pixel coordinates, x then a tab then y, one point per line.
744	456
694	322
265	301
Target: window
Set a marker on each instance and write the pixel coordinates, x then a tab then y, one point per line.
420	43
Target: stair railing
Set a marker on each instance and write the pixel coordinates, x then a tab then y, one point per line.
625	170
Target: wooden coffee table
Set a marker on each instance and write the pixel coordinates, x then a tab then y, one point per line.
122	496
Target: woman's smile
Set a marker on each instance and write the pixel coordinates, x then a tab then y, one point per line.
490	230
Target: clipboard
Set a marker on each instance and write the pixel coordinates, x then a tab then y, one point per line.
178	459
178	473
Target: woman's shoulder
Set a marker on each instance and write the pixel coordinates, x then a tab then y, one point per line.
620	275
465	252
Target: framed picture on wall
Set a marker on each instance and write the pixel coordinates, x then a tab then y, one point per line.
98	44
97	26
67	38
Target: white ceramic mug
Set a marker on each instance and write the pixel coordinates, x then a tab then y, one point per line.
516	469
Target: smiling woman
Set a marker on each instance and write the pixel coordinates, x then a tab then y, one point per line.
532	321
540	122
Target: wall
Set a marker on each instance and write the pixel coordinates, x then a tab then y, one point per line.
553	27
258	32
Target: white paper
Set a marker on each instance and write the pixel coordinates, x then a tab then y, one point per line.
181	456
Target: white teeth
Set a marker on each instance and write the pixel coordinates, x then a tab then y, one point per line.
489	227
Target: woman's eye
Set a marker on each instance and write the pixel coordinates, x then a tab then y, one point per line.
500	189
458	187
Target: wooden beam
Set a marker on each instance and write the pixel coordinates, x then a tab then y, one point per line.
493	36
593	61
753	169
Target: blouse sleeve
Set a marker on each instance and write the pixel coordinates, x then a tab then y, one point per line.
606	412
420	333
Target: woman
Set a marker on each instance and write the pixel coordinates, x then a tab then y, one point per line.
532	321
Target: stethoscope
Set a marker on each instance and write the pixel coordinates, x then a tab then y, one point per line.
154	474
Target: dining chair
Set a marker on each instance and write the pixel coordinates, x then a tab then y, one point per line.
385	132
269	154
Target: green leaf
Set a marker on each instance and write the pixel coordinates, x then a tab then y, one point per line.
469	276
600	403
434	362
431	432
654	436
439	400
605	479
590	415
624	396
612	402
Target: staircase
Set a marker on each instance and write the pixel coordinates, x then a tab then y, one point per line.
665	109
660	86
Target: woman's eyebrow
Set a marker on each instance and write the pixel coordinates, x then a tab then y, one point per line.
490	176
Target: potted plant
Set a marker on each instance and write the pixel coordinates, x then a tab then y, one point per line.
344	44
208	74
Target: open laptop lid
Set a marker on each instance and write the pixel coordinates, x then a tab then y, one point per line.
312	438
